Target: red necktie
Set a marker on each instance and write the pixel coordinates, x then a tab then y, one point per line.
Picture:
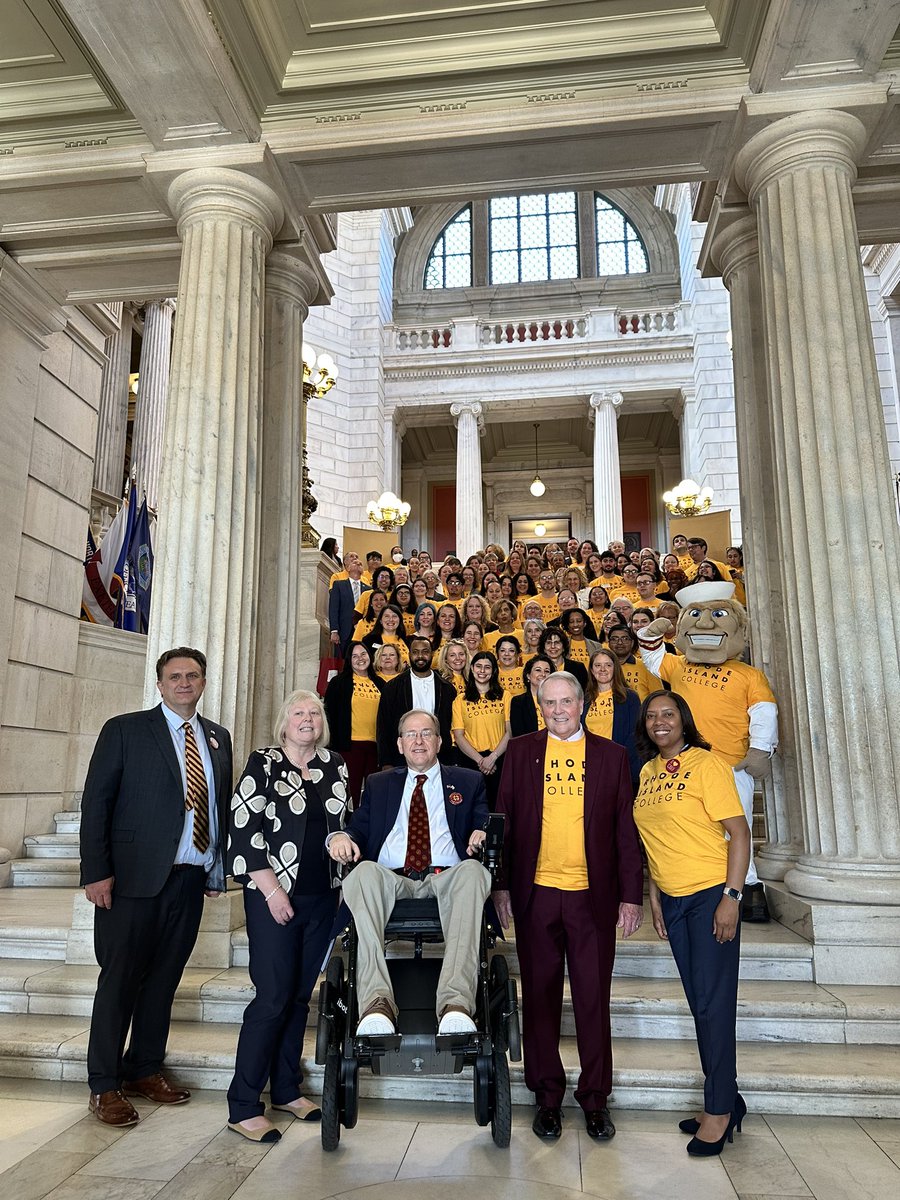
418	834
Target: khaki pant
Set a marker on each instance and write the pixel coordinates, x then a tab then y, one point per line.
371	891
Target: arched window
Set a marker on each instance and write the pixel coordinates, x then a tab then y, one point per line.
620	250
450	262
532	238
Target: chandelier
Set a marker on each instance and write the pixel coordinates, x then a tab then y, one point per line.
388	511
686	499
538	487
319	377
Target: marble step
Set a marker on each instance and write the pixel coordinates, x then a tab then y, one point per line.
774	1011
35	923
46	872
52	845
829	1080
767	952
67	822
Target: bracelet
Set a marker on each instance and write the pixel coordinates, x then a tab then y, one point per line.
276	888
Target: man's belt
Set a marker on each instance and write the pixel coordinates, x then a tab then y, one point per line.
419	875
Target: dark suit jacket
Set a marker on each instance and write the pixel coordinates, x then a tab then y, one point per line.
396	700
341	611
522	715
377	813
132	811
615	871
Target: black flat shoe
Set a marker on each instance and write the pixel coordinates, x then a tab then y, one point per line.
547	1123
691	1124
599	1124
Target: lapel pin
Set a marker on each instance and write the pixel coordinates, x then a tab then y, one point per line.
213	742
455	798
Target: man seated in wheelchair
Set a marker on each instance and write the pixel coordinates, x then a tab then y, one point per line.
413	836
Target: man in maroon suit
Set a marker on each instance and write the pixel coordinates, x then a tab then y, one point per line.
572	864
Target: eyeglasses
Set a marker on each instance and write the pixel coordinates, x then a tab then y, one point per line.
410	735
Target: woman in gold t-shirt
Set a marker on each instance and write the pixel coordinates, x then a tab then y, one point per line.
387	662
611	707
351	705
453	663
509	660
479	722
697	839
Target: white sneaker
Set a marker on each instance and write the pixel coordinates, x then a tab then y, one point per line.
375	1025
456	1022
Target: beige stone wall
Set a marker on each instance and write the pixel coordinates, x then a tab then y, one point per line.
48	481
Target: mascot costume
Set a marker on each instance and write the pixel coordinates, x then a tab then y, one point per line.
732	703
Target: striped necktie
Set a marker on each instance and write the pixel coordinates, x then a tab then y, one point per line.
197	791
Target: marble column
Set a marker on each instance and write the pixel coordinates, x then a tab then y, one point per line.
736	254
112	419
831	483
204	592
153	388
469	423
607	485
284	661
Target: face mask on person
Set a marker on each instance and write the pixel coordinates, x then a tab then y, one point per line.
397	557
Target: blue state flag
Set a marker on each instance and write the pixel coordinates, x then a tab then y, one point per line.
139	574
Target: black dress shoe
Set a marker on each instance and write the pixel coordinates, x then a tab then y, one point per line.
547	1122
599	1124
754	909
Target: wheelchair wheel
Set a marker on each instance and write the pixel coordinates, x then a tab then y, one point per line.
331	1109
507	1035
329	993
481	1078
501	1108
349	1108
513	1030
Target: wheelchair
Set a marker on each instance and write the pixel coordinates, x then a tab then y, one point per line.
417	1050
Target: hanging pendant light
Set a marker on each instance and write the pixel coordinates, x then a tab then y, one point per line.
538	486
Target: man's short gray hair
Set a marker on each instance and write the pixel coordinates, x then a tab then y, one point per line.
422	712
557	677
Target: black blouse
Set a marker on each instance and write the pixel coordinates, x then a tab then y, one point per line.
270	813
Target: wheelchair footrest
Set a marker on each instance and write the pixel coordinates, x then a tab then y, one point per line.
418	1054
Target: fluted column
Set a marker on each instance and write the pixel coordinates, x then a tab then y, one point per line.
607	485
207	546
833	502
469	506
736	253
290	287
112	418
153	388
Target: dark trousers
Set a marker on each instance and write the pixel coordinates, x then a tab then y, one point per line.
491	782
362	761
559	927
709	974
284	966
142	945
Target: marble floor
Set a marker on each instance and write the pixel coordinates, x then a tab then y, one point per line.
51	1149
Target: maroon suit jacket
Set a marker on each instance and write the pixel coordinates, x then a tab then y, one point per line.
615	869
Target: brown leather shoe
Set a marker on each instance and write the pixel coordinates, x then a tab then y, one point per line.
113	1109
156	1088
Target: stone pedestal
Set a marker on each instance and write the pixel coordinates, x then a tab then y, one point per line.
112	419
736	253
153	387
290	286
833	504
469	504
607	485
208	542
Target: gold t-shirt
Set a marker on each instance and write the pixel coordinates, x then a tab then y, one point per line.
599	717
562	862
639	678
482	721
511	681
679	816
363	709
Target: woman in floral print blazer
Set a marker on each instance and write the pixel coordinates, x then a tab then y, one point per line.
289	798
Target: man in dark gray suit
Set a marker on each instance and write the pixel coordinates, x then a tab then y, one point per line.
342	598
153	826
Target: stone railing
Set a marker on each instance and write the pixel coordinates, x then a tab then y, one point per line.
649	324
552	329
436	338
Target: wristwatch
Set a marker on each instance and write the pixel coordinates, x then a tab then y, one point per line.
733	894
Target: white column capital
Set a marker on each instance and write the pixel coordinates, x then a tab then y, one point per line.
289	278
598	399
798	143
205	193
735	246
470	408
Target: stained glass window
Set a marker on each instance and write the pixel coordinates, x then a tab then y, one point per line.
450	262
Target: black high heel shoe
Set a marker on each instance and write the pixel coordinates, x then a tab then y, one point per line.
699	1149
691	1124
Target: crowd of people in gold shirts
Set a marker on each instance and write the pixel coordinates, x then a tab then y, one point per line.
493	628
